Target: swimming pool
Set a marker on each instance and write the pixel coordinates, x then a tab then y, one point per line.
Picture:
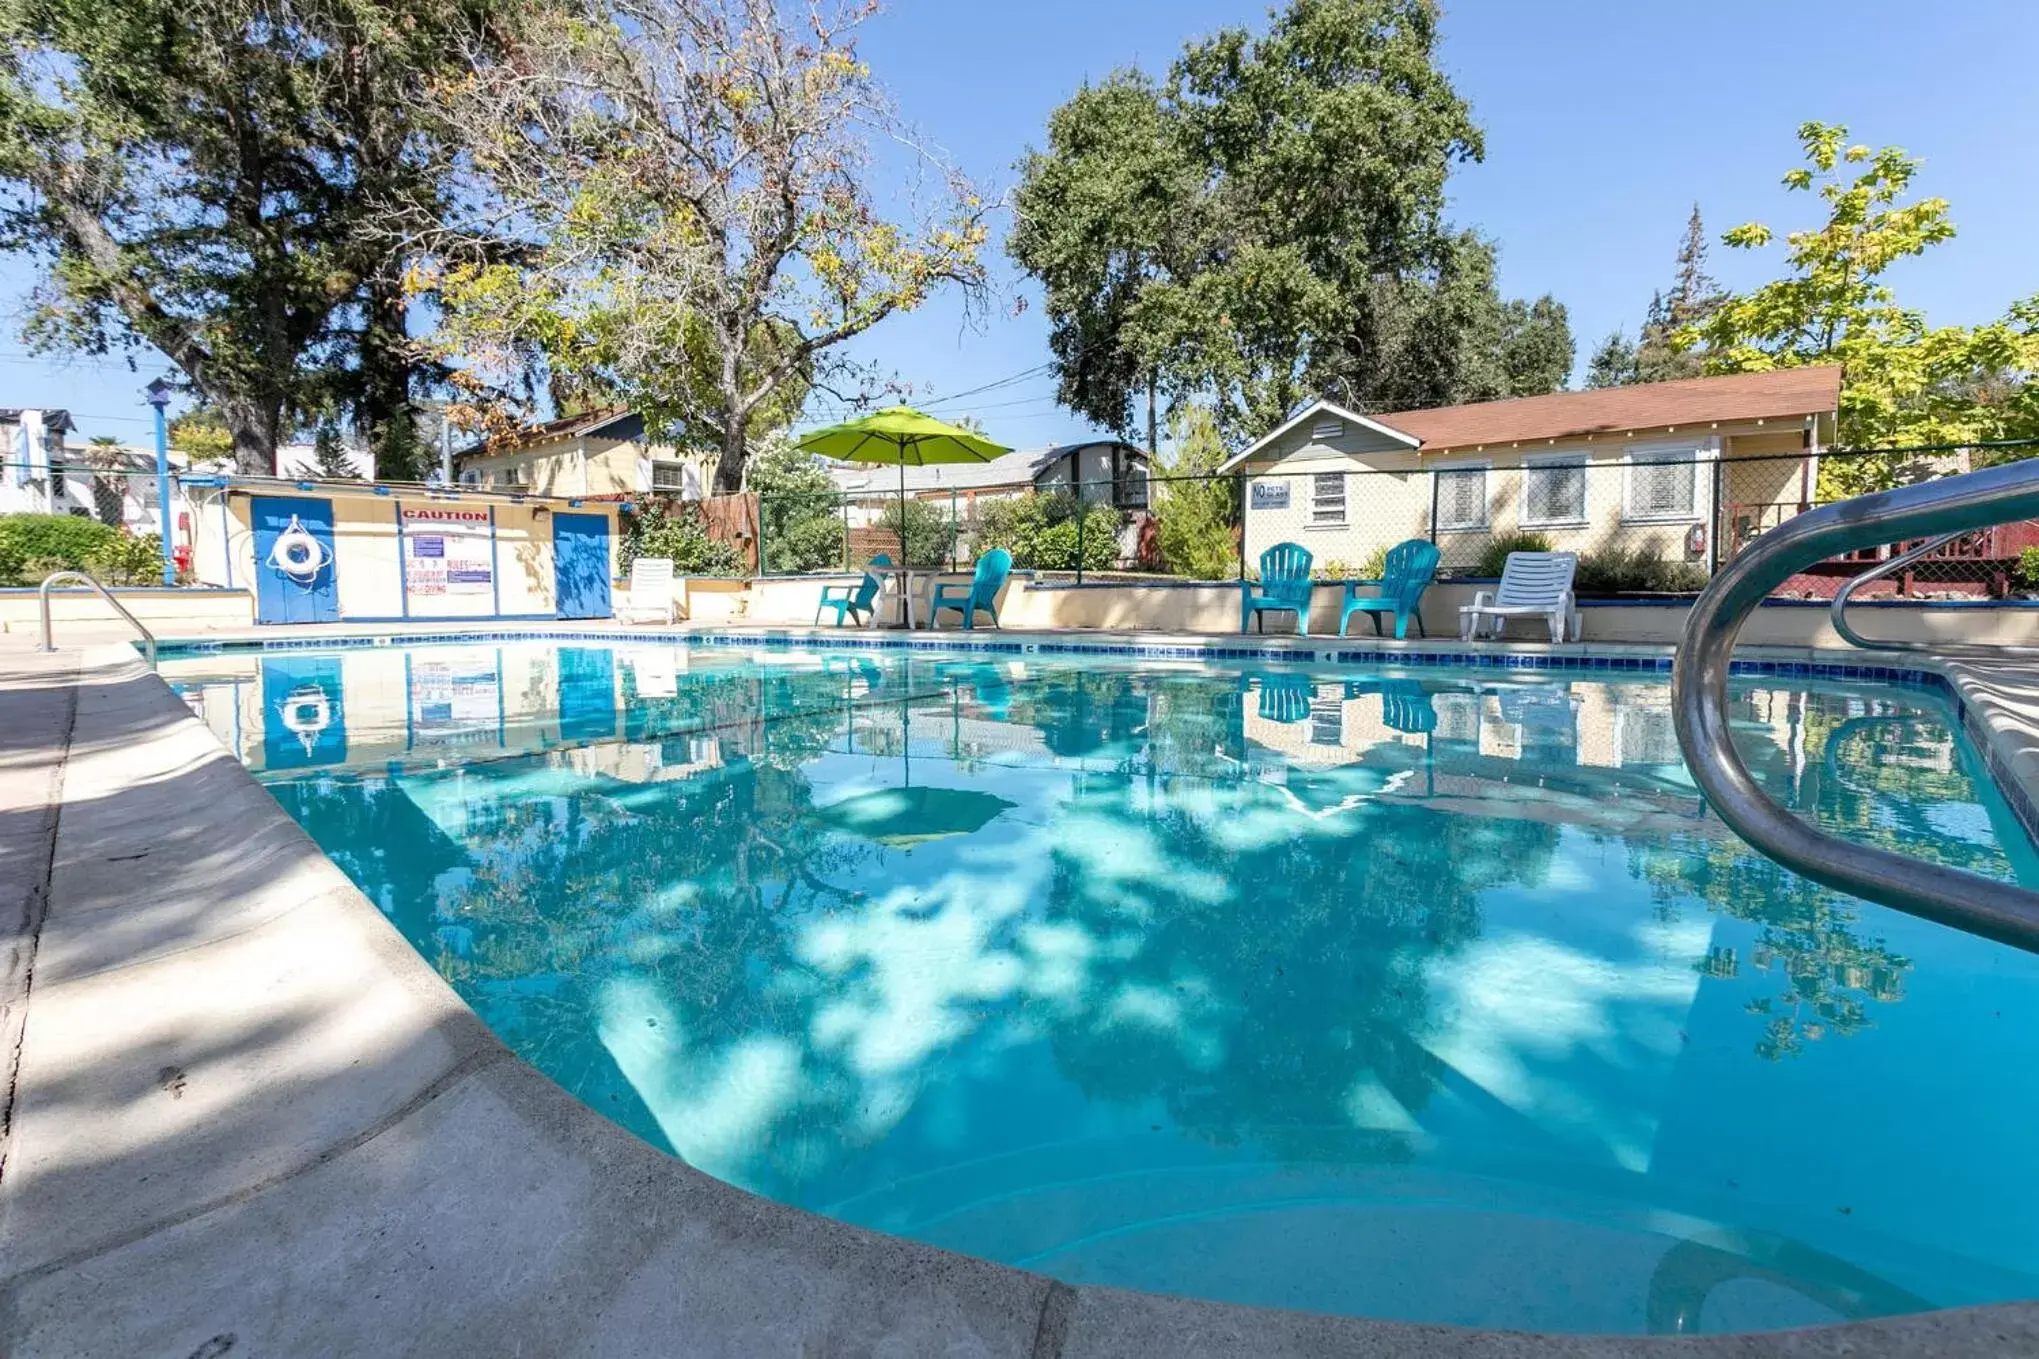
1430	994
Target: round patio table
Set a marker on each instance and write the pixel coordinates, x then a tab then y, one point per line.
904	575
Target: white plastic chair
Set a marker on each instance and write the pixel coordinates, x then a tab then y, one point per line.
650	594
1533	585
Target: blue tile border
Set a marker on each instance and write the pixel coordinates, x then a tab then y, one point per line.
1020	644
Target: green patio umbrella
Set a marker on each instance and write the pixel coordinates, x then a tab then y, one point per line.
903	437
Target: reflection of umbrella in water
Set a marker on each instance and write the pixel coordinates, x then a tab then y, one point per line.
901	818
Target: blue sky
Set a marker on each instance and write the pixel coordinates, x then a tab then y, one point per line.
1605	121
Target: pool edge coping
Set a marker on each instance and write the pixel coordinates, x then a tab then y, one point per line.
1040	1317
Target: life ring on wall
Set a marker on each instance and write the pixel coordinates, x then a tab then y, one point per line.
306	712
298	556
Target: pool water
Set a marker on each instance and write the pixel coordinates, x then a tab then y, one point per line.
1433	995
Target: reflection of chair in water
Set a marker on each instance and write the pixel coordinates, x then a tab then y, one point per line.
1405	704
655	672
987	685
1285	698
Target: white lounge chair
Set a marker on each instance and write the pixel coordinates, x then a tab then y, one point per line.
1533	585
650	594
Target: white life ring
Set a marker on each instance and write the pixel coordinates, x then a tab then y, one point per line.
305	712
297	556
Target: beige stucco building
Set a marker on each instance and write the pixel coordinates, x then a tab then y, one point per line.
1689	468
605	454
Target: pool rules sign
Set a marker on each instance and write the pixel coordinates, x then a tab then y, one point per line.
449	561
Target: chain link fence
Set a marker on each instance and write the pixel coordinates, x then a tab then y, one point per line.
1640	523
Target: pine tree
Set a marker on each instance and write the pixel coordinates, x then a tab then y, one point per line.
1694	297
329	459
1612	364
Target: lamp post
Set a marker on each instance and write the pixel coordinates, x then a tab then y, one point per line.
158	394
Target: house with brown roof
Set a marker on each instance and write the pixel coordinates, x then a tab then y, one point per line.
1669	466
601	454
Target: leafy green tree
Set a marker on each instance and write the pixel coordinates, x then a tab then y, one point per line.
670	200
927	535
1267	224
1536	346
800	508
207	178
1196	518
203	435
1907	383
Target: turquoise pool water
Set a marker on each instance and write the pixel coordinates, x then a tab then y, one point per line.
1431	995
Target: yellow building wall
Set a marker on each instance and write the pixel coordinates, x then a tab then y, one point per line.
1386	504
367	567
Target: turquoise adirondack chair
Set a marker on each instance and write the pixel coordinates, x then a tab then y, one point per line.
852	601
981	593
1284	588
1408	570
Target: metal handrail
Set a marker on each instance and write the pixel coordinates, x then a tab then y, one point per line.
43	597
1837	612
1699	681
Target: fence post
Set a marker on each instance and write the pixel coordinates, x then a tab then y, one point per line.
762	535
846	533
1080	517
1719	517
1239	490
1433	505
953	527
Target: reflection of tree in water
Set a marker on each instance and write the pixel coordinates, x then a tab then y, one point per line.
1870	770
1258	1009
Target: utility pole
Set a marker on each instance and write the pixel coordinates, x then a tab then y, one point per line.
158	394
1153	441
445	448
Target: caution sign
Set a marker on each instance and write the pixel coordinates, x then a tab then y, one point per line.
449	561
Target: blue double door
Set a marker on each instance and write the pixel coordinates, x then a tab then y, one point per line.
580	557
295	580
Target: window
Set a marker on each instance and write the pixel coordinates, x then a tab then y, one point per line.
1462	499
1327	429
470	476
1554	492
518	476
669	476
1129	492
1327	721
1662	484
1327	498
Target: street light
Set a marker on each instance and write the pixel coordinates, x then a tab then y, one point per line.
158	395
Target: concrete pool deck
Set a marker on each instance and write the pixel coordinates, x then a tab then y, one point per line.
244	1116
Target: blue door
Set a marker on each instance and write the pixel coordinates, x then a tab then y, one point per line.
580	557
587	693
294	576
304	717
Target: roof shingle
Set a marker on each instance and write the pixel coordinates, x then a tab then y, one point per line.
1782	394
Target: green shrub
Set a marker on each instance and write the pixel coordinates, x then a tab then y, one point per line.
677	531
33	546
2026	573
1617	570
1042	533
928	535
1496	556
130	559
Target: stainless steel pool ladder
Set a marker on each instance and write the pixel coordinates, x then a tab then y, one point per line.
1938	510
43	597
